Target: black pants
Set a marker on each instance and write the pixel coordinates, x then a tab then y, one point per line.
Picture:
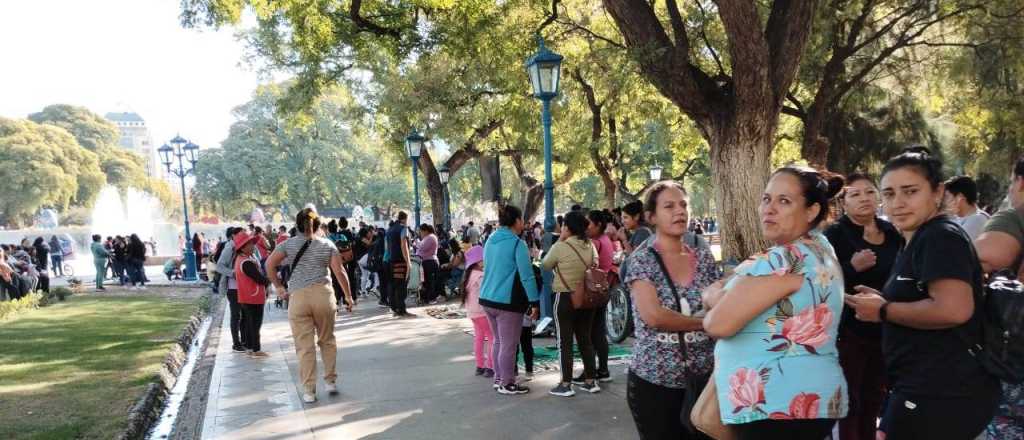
253	320
939	418
599	337
43	284
237	337
338	293
429	288
570	321
353	280
384	278
526	344
656	410
809	429
399	290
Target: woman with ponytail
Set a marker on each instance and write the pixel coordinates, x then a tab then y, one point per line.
777	369
312	304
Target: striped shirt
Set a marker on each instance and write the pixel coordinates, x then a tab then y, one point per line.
313	267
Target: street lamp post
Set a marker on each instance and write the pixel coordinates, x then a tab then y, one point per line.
444	174
185	151
544	68
413	147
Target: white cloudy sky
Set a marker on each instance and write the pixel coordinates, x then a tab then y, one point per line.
122	55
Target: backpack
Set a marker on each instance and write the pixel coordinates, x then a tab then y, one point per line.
592	293
1001	350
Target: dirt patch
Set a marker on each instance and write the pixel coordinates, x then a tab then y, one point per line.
175	292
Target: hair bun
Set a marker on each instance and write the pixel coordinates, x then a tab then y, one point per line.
835	185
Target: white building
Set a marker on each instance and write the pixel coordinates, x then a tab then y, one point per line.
135	137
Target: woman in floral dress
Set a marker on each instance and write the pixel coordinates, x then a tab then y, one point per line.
776	366
671	355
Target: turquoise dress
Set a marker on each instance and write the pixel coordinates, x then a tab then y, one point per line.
783	364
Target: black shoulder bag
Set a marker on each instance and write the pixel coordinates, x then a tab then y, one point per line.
695	383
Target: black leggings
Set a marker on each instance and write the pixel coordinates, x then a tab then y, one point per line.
931	418
572	321
526	344
599	337
237	320
253	321
656	410
806	429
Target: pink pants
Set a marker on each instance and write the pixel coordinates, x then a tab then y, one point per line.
481	336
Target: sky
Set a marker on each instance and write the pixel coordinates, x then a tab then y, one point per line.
122	55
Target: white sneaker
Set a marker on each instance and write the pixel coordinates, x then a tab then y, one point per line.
308	398
332	388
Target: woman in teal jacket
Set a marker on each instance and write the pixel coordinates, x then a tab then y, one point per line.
508	291
99	259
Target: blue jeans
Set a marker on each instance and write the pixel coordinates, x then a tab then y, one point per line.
57	261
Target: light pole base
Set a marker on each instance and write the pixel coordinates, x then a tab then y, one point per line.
190	265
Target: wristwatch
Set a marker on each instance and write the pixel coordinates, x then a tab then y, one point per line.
882	313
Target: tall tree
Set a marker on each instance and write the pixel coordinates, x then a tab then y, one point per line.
44	166
123	169
861	42
737	109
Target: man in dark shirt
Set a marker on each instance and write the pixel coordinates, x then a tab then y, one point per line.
397	241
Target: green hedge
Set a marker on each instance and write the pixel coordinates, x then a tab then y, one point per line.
28	302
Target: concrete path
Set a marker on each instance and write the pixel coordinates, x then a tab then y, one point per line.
398	379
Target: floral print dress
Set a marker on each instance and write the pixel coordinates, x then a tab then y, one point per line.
657	356
784	364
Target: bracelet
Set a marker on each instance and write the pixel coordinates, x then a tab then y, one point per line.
883	313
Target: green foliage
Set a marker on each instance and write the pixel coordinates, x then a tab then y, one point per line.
9	309
61	293
48	167
90	129
274	162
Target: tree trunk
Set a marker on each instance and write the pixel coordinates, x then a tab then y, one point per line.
603	167
739	169
738	115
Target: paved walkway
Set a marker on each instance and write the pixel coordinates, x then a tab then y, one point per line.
398	379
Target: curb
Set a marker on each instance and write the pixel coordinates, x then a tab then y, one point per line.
146	410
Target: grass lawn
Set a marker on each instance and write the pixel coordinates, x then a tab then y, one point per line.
73	370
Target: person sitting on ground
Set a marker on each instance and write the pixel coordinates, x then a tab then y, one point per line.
172	269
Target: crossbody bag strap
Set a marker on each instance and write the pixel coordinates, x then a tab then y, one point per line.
578	254
675	293
298	256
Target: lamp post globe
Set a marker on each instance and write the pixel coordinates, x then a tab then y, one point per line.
545	71
655	172
413	146
165	155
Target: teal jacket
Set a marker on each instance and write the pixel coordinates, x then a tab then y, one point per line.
504	255
99	253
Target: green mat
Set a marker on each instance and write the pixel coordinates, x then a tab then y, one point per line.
546	357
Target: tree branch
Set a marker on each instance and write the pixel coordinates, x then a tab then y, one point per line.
576	27
552	16
707	42
362	23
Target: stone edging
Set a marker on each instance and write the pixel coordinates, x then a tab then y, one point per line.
145	412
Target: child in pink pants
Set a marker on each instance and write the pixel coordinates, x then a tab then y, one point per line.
482	336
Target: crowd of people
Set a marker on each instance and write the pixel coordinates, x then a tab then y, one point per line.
28	266
863	316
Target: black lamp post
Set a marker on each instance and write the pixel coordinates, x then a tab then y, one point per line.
413	147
